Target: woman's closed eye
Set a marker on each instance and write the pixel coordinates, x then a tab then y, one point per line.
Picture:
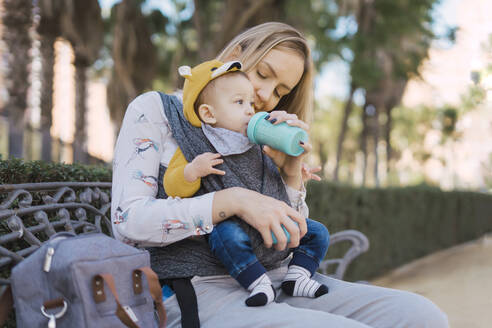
262	76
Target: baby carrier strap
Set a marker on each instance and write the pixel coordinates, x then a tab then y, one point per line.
186	297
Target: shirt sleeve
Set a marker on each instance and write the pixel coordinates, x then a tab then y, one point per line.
175	183
137	216
297	199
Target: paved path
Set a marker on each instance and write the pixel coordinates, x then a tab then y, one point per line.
458	280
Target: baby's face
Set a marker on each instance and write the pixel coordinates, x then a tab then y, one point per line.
233	99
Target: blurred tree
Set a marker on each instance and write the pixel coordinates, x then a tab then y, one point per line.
82	25
50	12
201	36
317	19
473	97
17	20
343	130
321	135
134	55
449	118
392	40
410	126
218	22
486	168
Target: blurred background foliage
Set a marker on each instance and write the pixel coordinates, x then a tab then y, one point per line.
137	45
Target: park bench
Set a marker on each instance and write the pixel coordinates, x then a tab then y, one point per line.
30	213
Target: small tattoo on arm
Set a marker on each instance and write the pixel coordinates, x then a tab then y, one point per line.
222	215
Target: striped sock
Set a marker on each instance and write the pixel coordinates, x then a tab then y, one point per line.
262	292
298	282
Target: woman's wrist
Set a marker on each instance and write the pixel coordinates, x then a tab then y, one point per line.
293	181
226	203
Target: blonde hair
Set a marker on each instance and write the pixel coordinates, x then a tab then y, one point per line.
253	44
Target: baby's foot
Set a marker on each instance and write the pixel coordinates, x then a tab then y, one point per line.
298	282
261	295
262	292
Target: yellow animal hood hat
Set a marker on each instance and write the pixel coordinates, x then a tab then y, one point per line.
197	78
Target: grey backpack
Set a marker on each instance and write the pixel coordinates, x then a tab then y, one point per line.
89	280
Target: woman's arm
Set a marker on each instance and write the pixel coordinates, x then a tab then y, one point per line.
143	143
264	213
291	167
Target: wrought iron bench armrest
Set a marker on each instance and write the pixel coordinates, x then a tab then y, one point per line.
360	244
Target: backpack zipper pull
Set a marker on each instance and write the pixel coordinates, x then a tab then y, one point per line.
47	259
52	322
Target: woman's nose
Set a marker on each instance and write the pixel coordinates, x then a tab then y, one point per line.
262	95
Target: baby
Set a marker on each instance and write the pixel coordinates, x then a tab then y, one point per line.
219	98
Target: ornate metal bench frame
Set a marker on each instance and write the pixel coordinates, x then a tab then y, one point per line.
48	208
53	206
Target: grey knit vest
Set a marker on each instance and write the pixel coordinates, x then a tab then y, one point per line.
251	170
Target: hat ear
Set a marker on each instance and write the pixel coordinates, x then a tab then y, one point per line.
184	71
226	67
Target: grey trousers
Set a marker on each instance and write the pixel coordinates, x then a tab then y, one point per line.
348	305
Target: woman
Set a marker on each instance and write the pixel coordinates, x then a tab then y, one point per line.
277	60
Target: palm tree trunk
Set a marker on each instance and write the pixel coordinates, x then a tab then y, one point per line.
363	143
17	20
80	138
375	135
397	95
343	130
323	157
48	62
387	137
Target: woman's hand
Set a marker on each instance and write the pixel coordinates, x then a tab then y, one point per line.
266	216
290	166
279	116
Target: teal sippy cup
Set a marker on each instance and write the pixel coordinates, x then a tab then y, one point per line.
282	136
287	234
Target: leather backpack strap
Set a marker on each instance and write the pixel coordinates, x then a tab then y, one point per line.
100	296
155	290
6	303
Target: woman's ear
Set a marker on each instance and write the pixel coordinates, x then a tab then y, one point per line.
206	113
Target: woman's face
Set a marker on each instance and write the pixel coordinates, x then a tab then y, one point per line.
275	75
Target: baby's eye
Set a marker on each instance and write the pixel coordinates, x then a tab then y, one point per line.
252	104
239	101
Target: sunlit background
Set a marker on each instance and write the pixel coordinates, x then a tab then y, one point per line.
441	115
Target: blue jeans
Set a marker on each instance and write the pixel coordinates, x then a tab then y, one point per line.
231	245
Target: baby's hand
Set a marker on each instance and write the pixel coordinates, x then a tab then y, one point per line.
203	165
308	173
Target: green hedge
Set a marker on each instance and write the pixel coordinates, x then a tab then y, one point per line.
402	224
20	171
